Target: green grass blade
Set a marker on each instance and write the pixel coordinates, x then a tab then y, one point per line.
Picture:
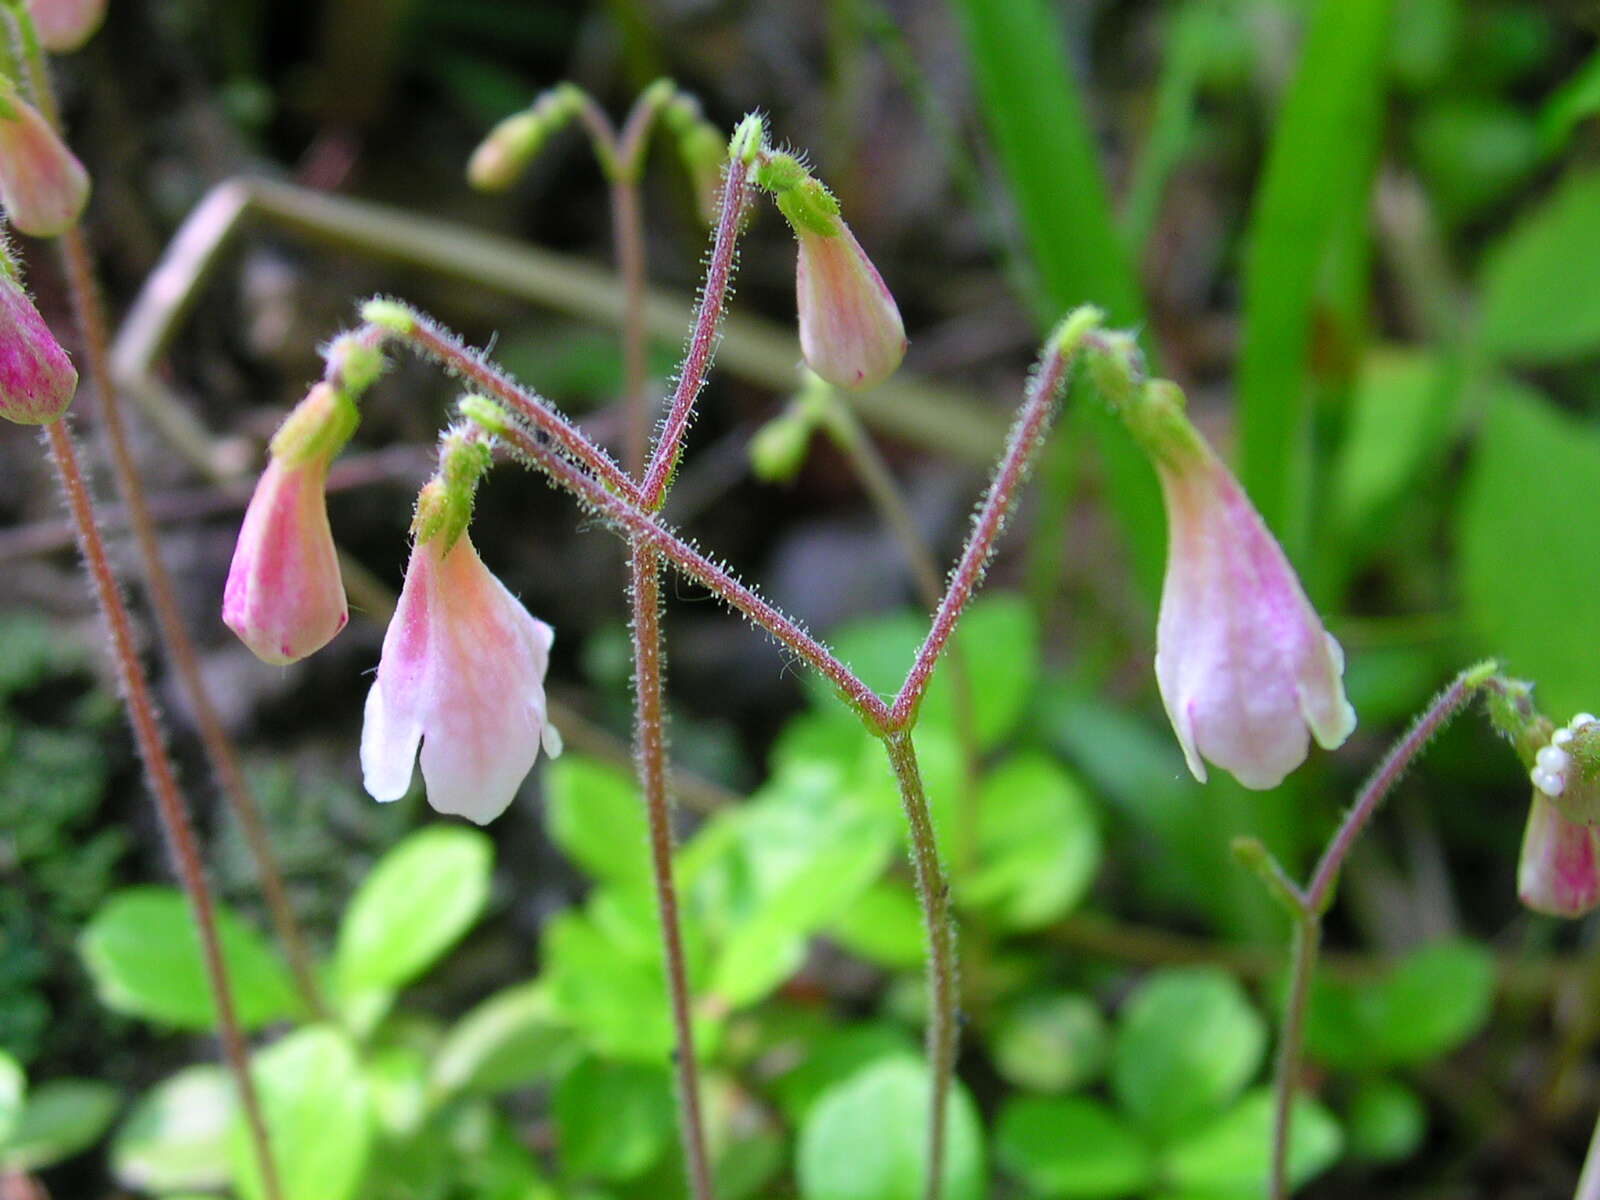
1318	175
1041	134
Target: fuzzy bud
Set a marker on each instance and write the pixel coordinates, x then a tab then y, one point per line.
65	25
285	596
1558	871
510	146
42	184
37	380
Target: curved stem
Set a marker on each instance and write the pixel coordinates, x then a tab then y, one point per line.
88	313
703	339
1022	444
933	890
651	758
170	805
1309	904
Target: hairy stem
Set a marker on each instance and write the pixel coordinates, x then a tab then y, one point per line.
163	781
89	315
1311	902
703	338
1022	444
933	890
651	758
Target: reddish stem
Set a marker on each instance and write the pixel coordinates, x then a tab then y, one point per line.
1022	444
163	781
703	340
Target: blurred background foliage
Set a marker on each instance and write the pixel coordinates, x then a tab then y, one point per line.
1362	233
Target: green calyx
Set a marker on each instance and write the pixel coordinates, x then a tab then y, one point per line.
444	506
778	450
808	206
749	138
389	315
354	364
317	429
1516	718
511	145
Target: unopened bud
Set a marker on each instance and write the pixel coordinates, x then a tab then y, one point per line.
511	145
42	184
37	380
701	147
389	314
65	25
1558	871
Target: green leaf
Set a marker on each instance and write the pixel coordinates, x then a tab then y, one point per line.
803	853
824	1059
1527	556
1050	1042
420	898
864	1138
13	1084
1387	1122
1574	102
608	989
1038	845
1426	1006
1234	1153
1315	186
318	1115
59	1119
613	1119
1070	1147
1186	1043
1052	170
884	926
512	1039
175	1137
1473	152
999	643
143	953
596	816
1541	284
1400	413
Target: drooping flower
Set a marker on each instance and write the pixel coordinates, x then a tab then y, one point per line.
64	25
285	596
462	675
37	379
1244	664
850	328
43	186
1558	872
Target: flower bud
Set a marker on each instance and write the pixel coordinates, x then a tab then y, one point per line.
1244	664
850	328
510	146
42	185
37	380
285	596
1558	872
64	25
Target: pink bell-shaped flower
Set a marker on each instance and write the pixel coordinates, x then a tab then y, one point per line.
1558	872
285	596
42	184
37	380
850	328
1244	664
64	25
462	675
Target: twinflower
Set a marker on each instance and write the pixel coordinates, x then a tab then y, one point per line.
43	186
1244	664
37	380
461	677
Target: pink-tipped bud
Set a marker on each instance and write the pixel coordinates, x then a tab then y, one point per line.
42	184
461	677
850	328
64	25
1558	873
1244	664
285	597
37	380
